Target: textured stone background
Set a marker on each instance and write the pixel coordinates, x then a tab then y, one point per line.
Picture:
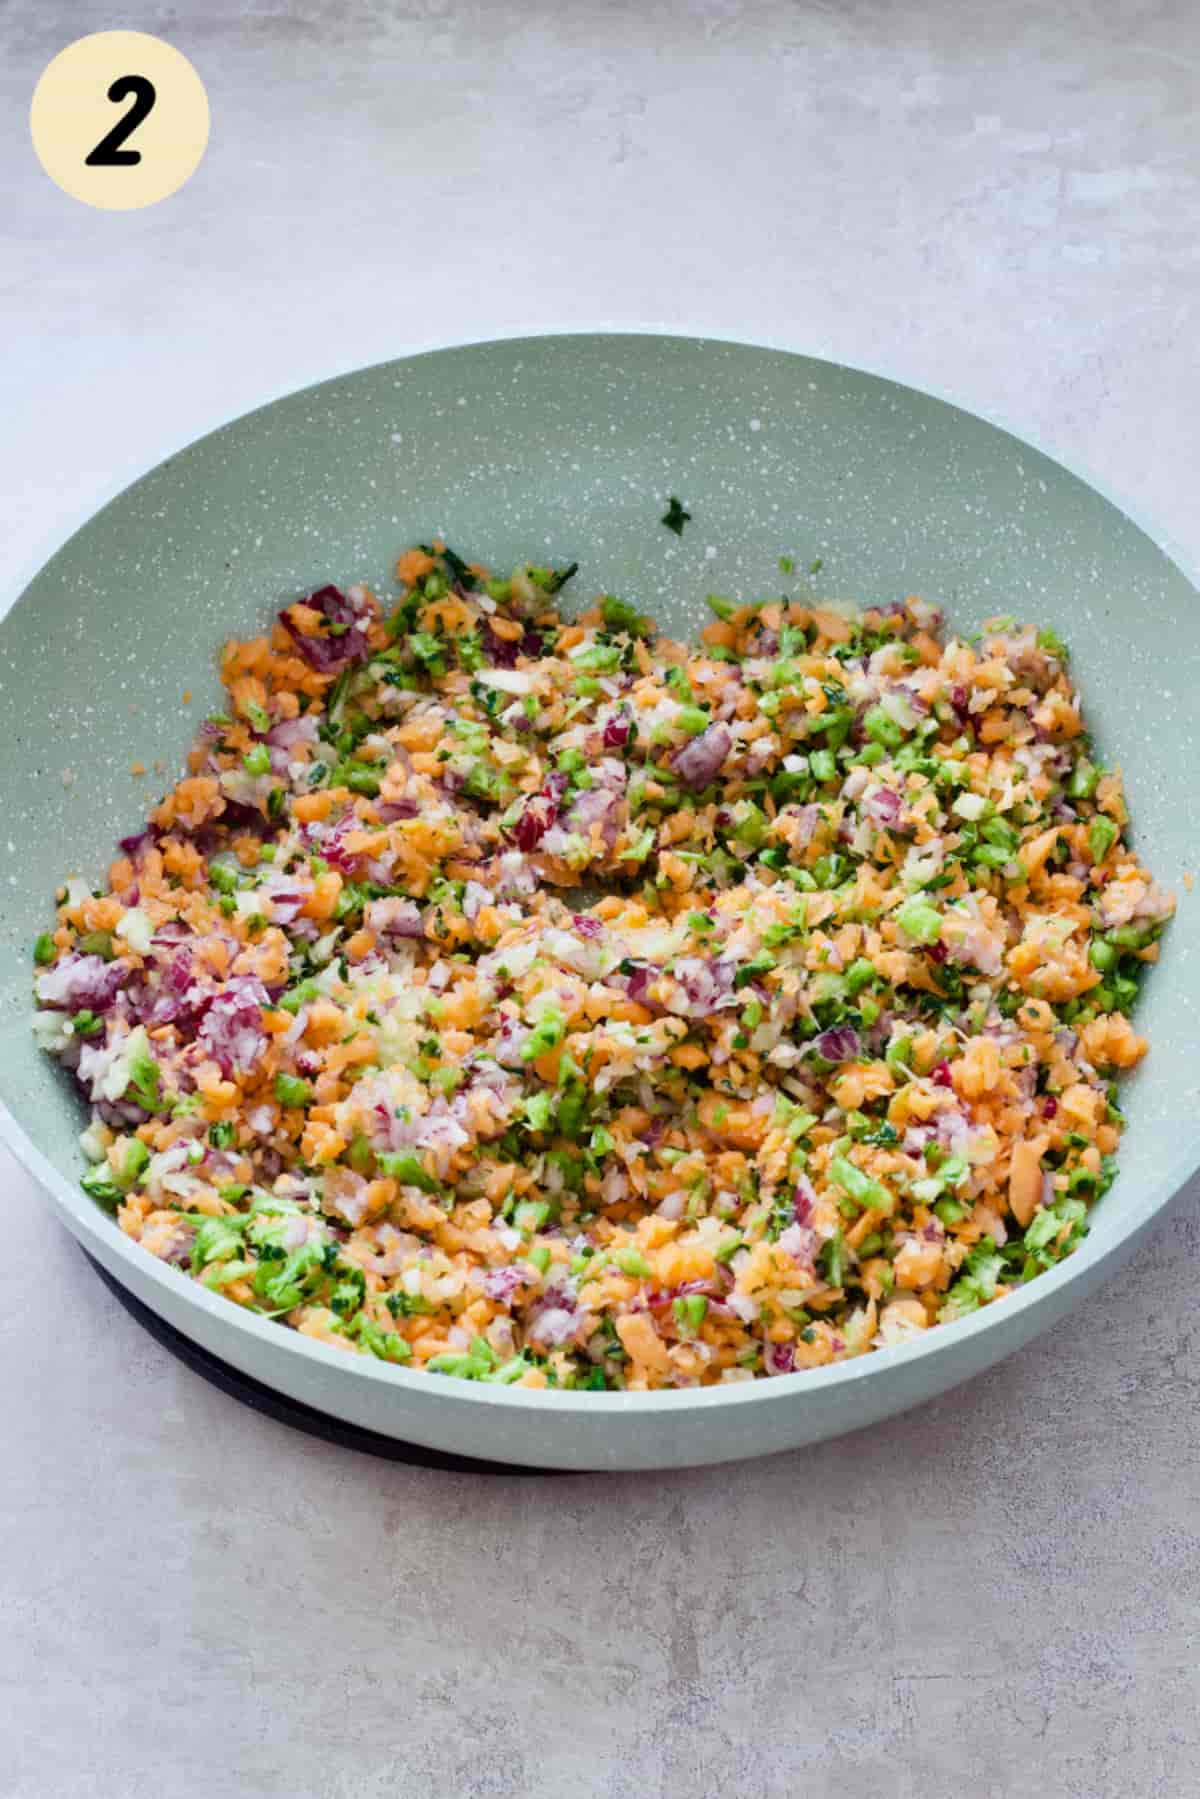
994	1596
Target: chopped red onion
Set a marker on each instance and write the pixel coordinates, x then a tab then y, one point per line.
77	982
394	917
638	980
327	654
884	805
135	847
702	987
556	1325
475	897
290	733
840	1044
285	896
231	1029
501	652
539	812
502	1284
596	806
804	823
697	762
798	1243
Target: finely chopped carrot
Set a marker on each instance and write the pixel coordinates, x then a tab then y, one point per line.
830	1059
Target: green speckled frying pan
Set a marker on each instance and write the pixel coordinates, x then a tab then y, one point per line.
564	447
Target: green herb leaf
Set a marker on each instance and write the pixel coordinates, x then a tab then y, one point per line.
675	518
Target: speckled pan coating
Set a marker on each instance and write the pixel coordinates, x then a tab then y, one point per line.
568	447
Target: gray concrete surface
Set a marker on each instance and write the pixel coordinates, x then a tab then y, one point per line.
993	1597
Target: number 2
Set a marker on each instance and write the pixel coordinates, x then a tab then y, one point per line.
108	153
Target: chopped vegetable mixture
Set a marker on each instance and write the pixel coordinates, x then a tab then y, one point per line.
831	1058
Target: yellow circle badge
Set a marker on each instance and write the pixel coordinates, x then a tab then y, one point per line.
119	120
